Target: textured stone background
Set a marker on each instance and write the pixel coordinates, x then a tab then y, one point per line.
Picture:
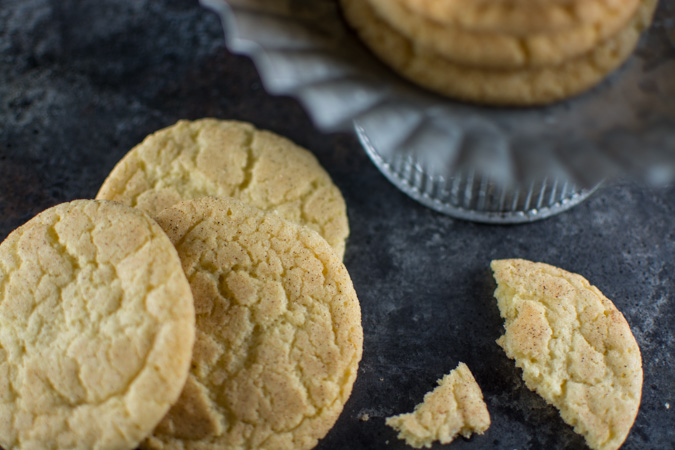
82	82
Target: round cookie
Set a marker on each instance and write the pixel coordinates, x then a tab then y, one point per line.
516	17
498	50
497	87
96	328
575	348
279	334
218	158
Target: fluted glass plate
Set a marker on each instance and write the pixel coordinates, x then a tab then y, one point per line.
497	165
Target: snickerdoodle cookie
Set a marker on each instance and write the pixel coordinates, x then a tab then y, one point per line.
500	50
516	87
219	158
96	328
279	334
575	348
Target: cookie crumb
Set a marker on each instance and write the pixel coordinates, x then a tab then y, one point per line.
455	407
364	417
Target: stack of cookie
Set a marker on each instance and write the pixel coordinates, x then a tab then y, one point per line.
502	52
171	318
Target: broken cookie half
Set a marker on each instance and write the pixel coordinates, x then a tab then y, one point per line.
575	348
455	407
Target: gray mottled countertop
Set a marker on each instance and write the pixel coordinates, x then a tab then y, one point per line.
83	82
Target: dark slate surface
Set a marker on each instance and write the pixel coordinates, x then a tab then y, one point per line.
82	82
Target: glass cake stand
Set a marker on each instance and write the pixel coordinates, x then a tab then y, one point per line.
494	165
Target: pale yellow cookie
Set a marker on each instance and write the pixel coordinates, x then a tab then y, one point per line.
455	407
499	50
497	87
96	328
219	158
575	348
517	17
279	334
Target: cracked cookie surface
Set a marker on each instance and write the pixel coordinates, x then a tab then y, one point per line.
499	50
455	407
279	334
530	86
517	17
575	348
219	158
96	328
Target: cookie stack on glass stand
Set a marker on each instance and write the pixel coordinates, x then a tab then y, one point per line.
504	52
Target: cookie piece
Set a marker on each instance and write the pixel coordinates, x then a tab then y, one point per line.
455	407
279	333
219	158
516	17
499	50
575	348
96	328
497	87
